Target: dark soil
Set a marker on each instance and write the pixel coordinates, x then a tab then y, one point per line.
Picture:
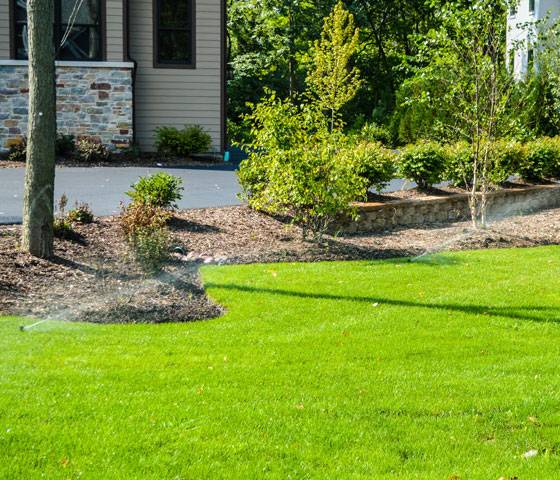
122	160
97	281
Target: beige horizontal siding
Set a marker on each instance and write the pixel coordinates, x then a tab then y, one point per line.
4	30
176	97
114	29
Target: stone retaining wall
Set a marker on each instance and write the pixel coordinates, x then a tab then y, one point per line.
409	213
91	102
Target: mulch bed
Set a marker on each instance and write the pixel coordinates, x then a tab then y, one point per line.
94	279
144	160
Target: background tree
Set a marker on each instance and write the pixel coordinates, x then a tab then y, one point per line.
332	79
39	177
467	87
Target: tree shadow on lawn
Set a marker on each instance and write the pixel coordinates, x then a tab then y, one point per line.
514	313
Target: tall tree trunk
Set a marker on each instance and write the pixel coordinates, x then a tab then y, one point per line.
41	132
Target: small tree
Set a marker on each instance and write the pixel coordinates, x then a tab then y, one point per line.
331	78
466	67
39	177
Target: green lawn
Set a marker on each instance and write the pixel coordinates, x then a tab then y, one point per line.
448	366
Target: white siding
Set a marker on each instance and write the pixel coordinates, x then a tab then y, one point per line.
518	34
175	97
4	30
114	29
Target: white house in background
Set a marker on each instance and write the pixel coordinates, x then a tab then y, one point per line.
520	50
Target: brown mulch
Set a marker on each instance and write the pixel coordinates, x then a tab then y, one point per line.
437	192
94	279
144	160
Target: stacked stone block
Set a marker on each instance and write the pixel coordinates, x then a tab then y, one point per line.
94	102
412	213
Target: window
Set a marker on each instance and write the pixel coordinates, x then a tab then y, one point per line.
531	6
77	29
174	33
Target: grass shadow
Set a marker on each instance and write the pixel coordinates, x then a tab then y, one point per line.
514	313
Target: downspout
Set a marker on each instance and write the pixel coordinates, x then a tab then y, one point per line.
127	58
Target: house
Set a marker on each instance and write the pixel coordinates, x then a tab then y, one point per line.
124	68
521	16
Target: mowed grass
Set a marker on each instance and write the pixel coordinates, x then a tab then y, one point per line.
446	368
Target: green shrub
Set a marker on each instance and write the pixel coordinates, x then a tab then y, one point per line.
542	160
159	190
371	132
507	158
504	156
423	163
182	143
81	213
459	164
18	151
312	184
374	163
65	144
90	151
145	229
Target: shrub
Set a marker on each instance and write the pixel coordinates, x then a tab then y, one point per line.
91	151
65	144
18	151
542	160
507	158
372	132
62	227
81	213
312	184
145	229
423	163
159	190
459	164
182	143
374	163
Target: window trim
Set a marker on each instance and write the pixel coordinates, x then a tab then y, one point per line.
102	31
155	38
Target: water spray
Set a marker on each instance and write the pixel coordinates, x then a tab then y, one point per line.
25	328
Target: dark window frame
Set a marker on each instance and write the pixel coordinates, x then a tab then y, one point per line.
192	37
531	6
57	30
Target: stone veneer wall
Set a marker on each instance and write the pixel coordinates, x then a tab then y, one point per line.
417	212
92	101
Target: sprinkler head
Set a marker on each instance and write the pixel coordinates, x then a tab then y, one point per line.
21	328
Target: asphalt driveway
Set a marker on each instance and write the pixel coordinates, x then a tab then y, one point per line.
104	188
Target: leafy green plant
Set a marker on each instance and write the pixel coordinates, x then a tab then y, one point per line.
145	229
542	160
371	132
62	226
81	213
182	143
18	151
332	79
159	190
459	164
91	151
423	163
507	158
374	163
65	144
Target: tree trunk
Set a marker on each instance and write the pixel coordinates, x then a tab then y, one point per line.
41	132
